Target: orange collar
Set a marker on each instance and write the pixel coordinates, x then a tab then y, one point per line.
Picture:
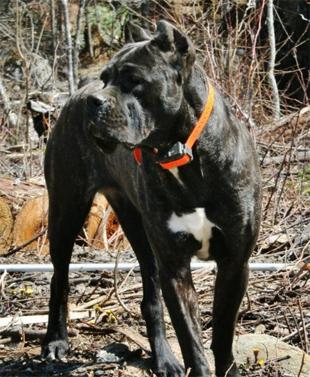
181	154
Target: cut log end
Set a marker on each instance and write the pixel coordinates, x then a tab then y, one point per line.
29	222
6	225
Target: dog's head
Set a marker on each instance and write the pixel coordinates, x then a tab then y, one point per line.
143	95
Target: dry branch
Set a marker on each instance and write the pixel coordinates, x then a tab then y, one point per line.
16	333
134	336
302	116
43	318
296	157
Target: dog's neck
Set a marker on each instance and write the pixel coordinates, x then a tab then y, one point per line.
195	97
196	89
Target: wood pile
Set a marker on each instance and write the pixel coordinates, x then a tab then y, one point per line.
24	218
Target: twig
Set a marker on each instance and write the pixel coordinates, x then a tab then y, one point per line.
20	247
134	336
43	318
228	370
101	299
120	301
275	184
41	34
295	332
2	284
302	364
15	333
306	341
92	292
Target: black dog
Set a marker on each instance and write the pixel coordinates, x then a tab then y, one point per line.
151	98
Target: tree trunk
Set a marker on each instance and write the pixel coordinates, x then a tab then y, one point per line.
272	59
77	43
69	45
88	35
53	25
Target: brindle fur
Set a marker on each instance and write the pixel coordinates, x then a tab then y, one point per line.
153	93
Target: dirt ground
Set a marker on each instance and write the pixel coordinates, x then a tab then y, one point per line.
113	341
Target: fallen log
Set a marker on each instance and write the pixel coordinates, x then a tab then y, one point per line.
301	117
25	203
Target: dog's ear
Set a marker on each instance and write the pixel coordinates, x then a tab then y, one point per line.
169	38
135	33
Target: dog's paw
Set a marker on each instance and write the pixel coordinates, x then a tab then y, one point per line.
169	367
55	349
170	371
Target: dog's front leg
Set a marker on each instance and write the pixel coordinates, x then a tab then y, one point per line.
181	299
165	363
230	286
67	213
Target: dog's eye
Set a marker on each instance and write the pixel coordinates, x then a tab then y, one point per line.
130	82
106	76
135	80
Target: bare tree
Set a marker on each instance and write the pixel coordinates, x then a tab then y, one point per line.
77	42
69	45
88	34
272	59
53	24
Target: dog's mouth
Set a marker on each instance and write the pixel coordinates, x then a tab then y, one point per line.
129	146
107	145
153	146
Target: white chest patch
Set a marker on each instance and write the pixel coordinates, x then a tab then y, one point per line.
198	225
175	173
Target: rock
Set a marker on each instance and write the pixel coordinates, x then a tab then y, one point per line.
40	71
267	348
271	348
113	353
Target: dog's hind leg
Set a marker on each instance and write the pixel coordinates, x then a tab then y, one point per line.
230	286
68	207
165	363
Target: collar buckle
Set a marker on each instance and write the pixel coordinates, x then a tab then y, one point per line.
176	152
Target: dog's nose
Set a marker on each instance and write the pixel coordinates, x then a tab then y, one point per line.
106	104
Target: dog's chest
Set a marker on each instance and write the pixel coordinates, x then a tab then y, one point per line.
197	224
